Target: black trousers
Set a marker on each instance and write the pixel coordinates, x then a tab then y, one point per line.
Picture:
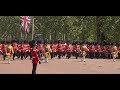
4	55
34	68
118	55
52	55
68	55
87	56
63	53
73	53
91	55
103	55
26	54
59	55
39	54
77	54
22	54
30	55
97	55
109	56
55	53
15	54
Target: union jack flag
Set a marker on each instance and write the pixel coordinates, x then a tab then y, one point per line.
25	23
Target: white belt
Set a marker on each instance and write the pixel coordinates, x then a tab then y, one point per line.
33	57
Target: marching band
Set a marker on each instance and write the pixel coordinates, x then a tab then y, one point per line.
60	49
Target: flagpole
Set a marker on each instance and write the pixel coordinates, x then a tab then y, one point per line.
33	28
26	36
21	29
21	32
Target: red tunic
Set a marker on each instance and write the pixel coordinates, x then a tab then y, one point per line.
97	48
3	48
26	47
15	47
56	47
59	48
68	48
21	48
109	49
76	48
92	48
53	47
102	49
40	47
0	48
35	58
63	47
119	49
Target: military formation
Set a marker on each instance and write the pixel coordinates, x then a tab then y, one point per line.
61	49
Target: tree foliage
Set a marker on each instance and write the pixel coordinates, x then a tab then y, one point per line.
88	28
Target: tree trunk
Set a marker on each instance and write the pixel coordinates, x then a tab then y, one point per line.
55	35
50	36
98	32
64	37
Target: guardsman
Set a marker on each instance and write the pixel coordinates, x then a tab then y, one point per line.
47	51
3	48
84	51
56	44
15	48
88	53
114	52
26	49
76	49
40	49
119	50
92	50
59	49
108	51
102	50
9	52
63	48
98	50
35	58
68	49
54	49
73	44
0	49
21	50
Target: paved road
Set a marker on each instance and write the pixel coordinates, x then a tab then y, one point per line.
62	66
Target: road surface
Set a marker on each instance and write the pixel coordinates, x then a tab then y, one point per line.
62	66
